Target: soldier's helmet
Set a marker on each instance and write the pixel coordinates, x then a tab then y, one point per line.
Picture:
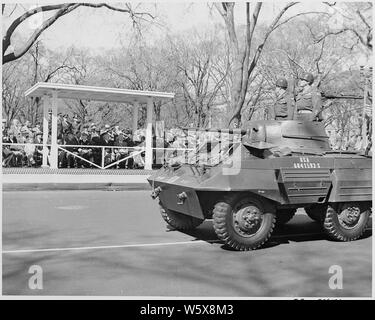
282	83
307	76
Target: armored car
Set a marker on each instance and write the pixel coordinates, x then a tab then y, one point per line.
250	180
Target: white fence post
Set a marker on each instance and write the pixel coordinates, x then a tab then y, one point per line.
45	132
148	141
103	155
54	147
135	116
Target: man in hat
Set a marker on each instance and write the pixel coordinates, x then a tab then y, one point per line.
76	126
25	133
95	141
66	124
17	150
139	158
308	105
83	152
8	155
282	108
38	140
71	140
30	151
123	152
129	137
27	127
105	140
15	130
60	130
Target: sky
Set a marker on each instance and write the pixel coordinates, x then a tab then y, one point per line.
101	29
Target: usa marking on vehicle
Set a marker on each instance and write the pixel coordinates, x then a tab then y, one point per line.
306	164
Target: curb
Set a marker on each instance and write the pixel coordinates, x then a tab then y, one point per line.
75	186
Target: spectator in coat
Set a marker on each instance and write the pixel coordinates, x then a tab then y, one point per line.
105	140
26	128
15	130
60	129
85	153
71	140
8	154
121	153
95	141
76	126
30	151
38	156
66	124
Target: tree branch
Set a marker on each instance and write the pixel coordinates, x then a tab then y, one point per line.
238	107
62	10
366	42
363	20
15	55
271	28
22	18
52	73
253	22
298	15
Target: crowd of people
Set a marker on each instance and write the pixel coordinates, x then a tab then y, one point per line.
83	145
22	145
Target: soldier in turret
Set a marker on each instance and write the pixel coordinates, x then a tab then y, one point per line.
282	109
308	104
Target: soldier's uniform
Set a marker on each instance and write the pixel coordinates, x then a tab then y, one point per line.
308	103
282	108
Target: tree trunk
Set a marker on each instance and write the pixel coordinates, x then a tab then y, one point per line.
243	66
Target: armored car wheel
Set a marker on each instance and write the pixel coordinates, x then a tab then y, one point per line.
178	220
283	216
242	224
346	221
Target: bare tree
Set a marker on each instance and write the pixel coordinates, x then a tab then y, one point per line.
38	64
141	66
355	20
243	62
58	11
200	77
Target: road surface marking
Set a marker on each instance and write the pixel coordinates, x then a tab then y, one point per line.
139	245
110	247
72	207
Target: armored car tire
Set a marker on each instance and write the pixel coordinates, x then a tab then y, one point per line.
242	223
178	220
283	216
346	221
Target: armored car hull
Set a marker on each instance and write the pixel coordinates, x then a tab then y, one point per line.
261	184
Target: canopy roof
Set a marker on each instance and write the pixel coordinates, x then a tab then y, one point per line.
70	91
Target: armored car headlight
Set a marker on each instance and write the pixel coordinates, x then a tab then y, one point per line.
181	197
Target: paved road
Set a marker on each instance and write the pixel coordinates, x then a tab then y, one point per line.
115	243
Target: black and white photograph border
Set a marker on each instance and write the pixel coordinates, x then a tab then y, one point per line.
187	150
